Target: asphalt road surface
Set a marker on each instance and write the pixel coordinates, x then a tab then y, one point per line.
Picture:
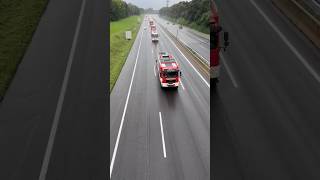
155	133
54	117
266	108
197	41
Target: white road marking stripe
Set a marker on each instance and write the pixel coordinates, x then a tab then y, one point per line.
154	70
124	110
187	60
182	85
196	51
316	3
163	142
292	48
53	131
233	80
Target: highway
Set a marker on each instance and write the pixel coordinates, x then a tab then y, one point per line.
265	109
197	41
54	116
157	133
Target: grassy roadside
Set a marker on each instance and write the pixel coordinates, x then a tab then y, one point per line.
18	21
119	47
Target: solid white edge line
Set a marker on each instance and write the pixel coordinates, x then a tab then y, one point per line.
162	136
56	118
187	59
124	110
195	50
182	84
233	80
292	48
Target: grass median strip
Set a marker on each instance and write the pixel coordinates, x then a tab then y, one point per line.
119	46
18	21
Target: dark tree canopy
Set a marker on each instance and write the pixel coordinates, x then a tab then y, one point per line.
120	9
193	12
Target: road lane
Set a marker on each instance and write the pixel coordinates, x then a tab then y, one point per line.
198	43
185	120
271	119
27	112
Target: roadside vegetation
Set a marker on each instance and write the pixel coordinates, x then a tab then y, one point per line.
120	9
194	14
124	17
18	21
119	46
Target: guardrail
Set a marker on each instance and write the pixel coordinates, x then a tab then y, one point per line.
303	19
196	54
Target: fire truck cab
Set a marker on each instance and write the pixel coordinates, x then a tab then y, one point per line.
215	30
168	70
153	27
151	22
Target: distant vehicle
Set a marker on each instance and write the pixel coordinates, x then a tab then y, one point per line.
180	26
151	22
154	36
145	28
215	30
168	23
153	27
168	70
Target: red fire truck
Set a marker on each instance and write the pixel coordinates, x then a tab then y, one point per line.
153	27
215	30
154	36
151	22
168	70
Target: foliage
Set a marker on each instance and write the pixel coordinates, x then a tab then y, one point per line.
18	21
120	10
119	46
194	13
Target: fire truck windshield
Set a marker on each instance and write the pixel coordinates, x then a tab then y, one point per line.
213	41
154	35
214	38
171	74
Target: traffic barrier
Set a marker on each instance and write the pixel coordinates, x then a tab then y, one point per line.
194	53
303	19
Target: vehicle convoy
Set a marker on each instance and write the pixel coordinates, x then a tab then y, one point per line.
168	70
215	30
154	36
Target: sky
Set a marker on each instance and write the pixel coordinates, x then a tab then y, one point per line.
155	4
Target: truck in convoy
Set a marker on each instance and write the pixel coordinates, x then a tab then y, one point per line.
151	22
154	36
153	27
215	30
168	70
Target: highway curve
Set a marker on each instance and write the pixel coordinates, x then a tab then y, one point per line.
266	107
164	134
54	117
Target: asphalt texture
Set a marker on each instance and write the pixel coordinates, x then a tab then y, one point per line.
80	149
198	43
185	118
265	109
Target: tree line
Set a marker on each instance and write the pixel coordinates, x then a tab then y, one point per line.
121	9
195	13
